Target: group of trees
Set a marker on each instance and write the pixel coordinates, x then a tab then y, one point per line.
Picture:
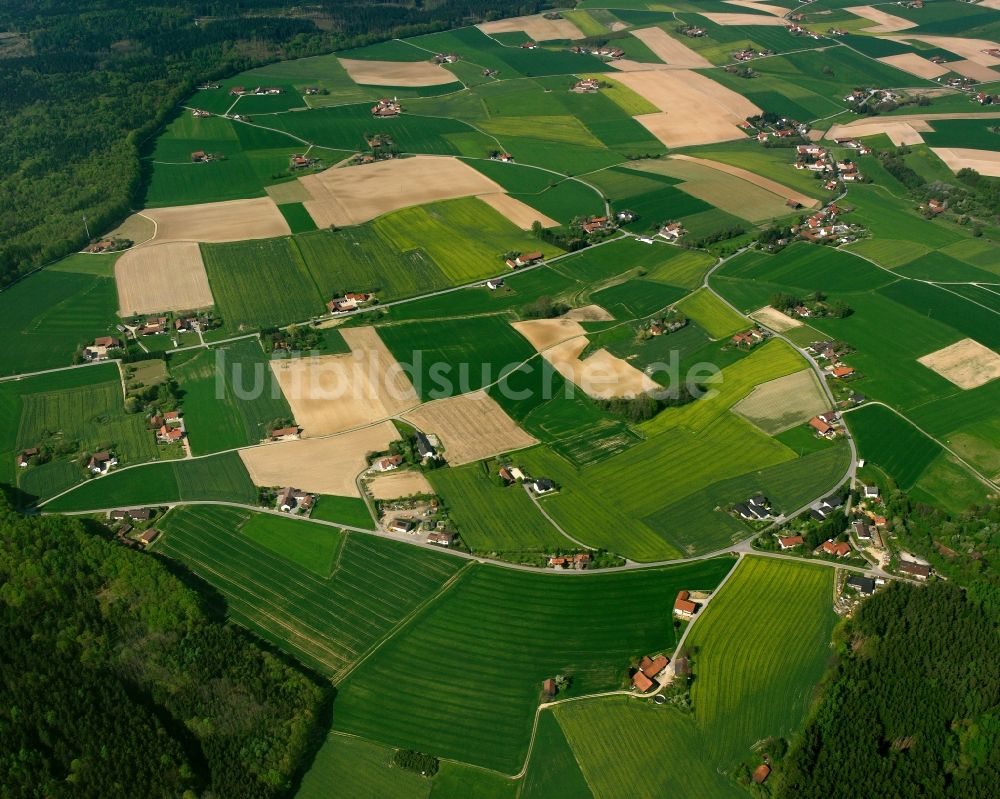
94	81
644	407
912	707
816	302
116	681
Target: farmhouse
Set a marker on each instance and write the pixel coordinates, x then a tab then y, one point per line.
147	537
828	506
387	108
400	525
596	223
683	606
549	688
524	259
842	371
839	549
285	433
349	302
790	541
98	351
101	462
748	338
653	667
388	464
441	539
26	455
166	434
135	514
200	157
199	113
294	500
756	508
578	561
862	530
445	58
870	492
424	447
918	570
761	773
494	284
587	86
543	486
671	231
822	428
299	161
863	585
642	683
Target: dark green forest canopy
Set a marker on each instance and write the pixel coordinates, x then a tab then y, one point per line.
912	709
91	82
114	681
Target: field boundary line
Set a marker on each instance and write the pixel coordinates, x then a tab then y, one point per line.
404	622
552	521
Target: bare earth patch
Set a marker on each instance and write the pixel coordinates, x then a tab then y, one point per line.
162	277
775	319
352	195
588	313
601	374
726	18
694	109
916	65
517	212
535	27
291	192
971	49
886	23
777	11
399	484
985	162
788	401
397	73
471	427
322	466
233	220
899	132
672	52
331	393
973	69
967	363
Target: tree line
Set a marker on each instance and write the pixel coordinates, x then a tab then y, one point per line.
117	681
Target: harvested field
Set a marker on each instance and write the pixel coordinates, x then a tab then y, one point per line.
352	195
397	73
535	26
291	192
975	70
399	484
694	109
916	65
138	227
967	363
331	393
775	319
971	49
234	220
788	401
673	52
778	11
162	277
471	427
886	23
545	333
517	212
726	18
588	313
899	132
985	162
600	375
323	466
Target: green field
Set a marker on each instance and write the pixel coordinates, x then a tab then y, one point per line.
493	519
56	312
248	406
755	668
455	356
312	546
891	442
261	283
217	477
712	314
350	511
465	238
509	630
326	622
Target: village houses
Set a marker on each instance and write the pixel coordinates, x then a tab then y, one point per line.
294	500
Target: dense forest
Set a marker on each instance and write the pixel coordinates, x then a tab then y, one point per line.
87	82
913	707
115	682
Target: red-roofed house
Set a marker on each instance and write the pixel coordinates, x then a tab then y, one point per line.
761	773
642	683
683	606
821	427
842	371
653	666
789	541
841	549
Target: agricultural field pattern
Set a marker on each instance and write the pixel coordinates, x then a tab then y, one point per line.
539	384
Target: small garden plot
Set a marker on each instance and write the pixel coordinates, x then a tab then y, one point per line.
783	403
471	427
966	363
322	466
399	484
775	319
